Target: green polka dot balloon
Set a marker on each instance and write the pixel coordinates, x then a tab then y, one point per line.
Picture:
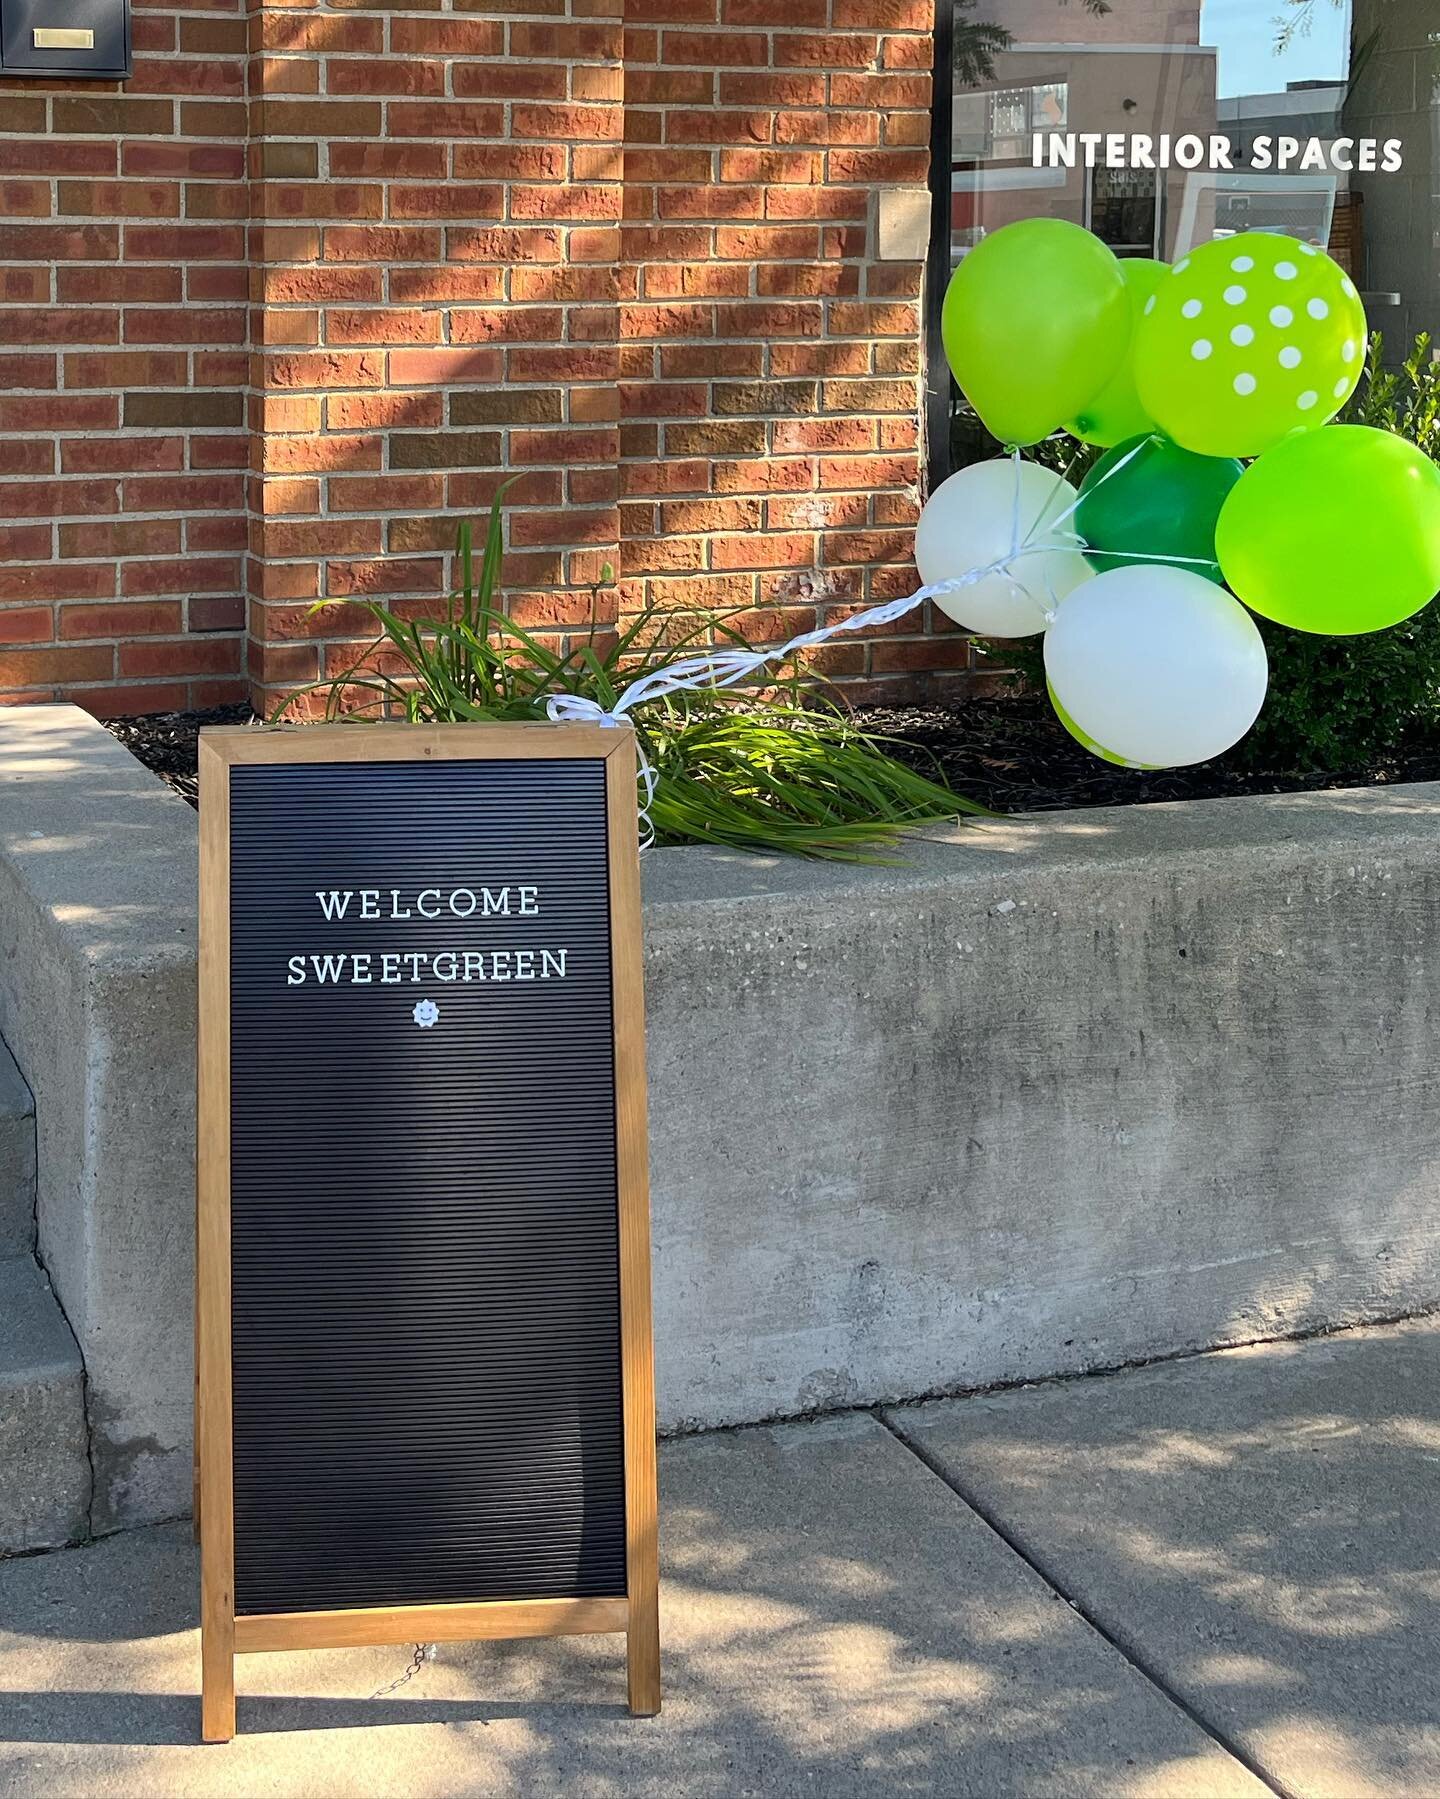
1246	341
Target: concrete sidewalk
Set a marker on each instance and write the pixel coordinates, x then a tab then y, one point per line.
1211	1578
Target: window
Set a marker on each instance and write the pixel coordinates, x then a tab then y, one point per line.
1159	124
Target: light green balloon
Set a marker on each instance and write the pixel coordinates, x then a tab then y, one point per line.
1336	532
1036	321
1087	742
1247	340
1115	414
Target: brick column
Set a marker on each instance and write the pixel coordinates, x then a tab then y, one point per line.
435	203
770	361
122	368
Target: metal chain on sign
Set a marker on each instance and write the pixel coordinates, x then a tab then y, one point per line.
424	1652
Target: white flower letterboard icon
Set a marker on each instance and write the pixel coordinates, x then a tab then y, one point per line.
425	1013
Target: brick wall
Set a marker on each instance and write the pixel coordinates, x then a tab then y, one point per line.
770	364
628	259
435	198
122	368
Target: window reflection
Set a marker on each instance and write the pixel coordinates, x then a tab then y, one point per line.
1159	124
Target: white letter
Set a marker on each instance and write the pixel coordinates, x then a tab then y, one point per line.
1062	151
1394	156
447	956
334	905
414	957
1342	154
524	965
1289	150
1367	155
296	976
1142	152
1314	157
455	895
489	903
1091	141
1115	150
500	966
474	965
1189	151
529	904
361	959
395	911
388	962
1036	140
370	902
420	902
547	956
1220	153
1260	157
328	968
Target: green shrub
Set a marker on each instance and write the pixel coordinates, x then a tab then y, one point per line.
791	775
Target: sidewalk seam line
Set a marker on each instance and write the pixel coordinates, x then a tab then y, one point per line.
1082	1611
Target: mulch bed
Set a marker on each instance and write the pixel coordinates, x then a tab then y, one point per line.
166	742
1014	755
1009	753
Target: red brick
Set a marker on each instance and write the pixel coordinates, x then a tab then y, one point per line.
43	156
60	412
26	624
506	80
361	412
567	123
448	36
408	161
126	619
356	34
218	162
185	656
120	455
449	119
428	368
379	325
121	537
59	243
192	574
21	668
385	77
225	614
184	243
20	542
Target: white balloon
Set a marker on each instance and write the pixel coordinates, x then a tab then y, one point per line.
975	518
1158	664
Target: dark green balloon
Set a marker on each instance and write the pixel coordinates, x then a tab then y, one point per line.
1164	502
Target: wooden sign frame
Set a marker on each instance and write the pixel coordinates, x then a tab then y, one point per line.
635	1612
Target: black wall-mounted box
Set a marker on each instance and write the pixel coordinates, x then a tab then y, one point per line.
65	37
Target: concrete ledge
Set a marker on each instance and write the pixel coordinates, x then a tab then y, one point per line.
1055	1095
97	1003
1060	1094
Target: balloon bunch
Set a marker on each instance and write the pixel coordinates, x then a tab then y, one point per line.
1207	384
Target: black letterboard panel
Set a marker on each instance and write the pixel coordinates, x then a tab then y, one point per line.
425	1292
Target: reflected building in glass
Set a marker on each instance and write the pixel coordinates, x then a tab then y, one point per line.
1159	124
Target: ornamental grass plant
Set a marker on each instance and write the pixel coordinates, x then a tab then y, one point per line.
789	773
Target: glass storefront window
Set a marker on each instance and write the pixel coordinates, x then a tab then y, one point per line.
1160	124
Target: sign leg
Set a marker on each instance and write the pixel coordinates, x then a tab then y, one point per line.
217	1681
642	1656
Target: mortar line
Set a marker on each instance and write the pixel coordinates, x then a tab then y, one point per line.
1132	1656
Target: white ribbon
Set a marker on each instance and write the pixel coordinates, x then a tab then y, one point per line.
727	668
